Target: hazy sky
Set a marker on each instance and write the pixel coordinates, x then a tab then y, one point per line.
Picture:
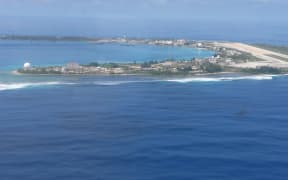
163	9
52	16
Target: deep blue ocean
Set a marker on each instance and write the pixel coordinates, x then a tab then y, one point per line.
228	127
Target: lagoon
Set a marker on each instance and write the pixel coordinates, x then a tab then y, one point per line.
13	54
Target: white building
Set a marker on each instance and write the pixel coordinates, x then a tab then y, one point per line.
199	44
27	65
73	66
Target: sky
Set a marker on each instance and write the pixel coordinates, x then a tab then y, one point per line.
115	17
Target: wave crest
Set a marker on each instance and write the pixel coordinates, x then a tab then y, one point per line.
12	86
217	79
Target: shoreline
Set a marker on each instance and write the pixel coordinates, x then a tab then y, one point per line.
204	75
230	57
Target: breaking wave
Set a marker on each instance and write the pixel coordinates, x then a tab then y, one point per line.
12	86
218	79
189	80
115	83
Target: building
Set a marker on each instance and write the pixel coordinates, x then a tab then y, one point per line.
27	65
180	42
72	66
199	45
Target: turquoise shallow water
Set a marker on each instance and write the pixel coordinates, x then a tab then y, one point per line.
14	54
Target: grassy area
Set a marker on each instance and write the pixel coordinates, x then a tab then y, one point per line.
262	70
244	56
239	57
279	49
211	68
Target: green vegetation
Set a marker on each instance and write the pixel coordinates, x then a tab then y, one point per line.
93	64
110	65
241	57
263	70
39	71
211	68
244	56
104	65
279	49
185	69
148	64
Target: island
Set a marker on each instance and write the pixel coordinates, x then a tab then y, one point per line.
232	57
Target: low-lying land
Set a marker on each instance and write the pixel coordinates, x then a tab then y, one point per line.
229	57
279	48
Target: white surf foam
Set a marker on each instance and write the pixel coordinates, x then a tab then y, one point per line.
12	86
115	83
112	83
217	79
189	80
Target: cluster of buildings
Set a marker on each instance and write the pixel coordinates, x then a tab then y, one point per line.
70	68
75	68
179	42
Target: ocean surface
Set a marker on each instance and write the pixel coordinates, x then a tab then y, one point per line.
137	127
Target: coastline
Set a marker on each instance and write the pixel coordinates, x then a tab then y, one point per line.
230	57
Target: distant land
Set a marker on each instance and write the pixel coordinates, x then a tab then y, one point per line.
47	38
75	38
232	57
